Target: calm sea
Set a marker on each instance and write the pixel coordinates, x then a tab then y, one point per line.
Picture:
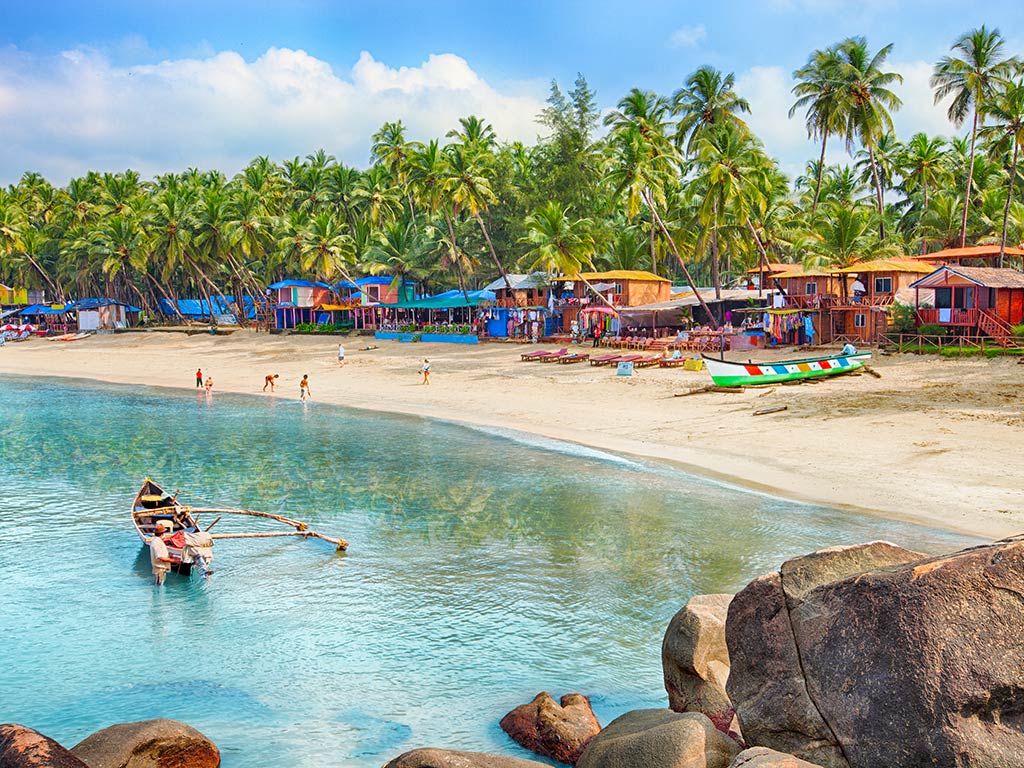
482	569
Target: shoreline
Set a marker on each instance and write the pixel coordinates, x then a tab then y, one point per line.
588	408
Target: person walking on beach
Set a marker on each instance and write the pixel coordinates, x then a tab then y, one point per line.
598	330
159	557
304	388
199	378
268	381
341	356
425	370
209	385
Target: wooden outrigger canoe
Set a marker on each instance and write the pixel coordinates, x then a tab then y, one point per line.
726	373
153	503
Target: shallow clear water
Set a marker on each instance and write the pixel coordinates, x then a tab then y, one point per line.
482	569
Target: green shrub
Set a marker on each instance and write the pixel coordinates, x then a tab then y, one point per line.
932	329
904	318
1018	330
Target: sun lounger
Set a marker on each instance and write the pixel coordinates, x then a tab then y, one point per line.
672	362
572	358
532	355
645	362
550	357
604	359
629	358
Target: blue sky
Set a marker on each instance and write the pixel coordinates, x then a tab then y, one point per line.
166	85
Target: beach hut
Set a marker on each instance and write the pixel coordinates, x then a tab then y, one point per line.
102	314
619	287
295	301
20	296
863	314
983	255
812	288
530	290
973	301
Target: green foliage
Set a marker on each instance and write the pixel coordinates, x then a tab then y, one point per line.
903	318
1018	330
932	329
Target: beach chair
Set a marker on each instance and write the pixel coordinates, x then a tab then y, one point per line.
550	357
672	362
604	359
647	362
528	356
629	358
572	357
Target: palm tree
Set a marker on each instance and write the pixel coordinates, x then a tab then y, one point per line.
706	101
971	76
867	102
326	247
924	167
470	189
1006	109
818	90
844	236
560	245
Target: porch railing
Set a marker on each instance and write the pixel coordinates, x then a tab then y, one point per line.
964	317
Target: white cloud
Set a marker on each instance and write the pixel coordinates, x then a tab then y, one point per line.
688	37
768	89
77	111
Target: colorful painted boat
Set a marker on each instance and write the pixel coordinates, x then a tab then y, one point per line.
727	373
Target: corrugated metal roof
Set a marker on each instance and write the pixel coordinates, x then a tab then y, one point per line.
971	252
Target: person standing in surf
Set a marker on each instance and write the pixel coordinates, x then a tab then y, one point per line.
199	378
304	388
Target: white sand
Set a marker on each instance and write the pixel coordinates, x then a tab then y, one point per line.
934	440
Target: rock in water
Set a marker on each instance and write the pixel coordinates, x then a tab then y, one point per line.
21	747
659	738
762	757
148	744
695	660
449	758
875	655
559	731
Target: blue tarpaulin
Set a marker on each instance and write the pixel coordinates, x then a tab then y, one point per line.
197	309
42	309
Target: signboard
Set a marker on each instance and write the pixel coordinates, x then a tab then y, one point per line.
624	369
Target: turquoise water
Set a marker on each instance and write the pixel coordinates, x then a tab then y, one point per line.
482	569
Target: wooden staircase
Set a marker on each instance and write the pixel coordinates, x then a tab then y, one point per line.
994	326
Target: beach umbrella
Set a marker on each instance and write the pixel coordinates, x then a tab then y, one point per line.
9	327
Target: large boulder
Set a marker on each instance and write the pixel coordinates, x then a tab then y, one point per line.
21	747
449	758
148	744
556	730
659	738
695	660
876	655
762	757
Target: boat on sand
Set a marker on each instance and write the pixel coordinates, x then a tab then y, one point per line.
727	373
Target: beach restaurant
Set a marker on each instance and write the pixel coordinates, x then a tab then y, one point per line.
619	288
863	315
973	300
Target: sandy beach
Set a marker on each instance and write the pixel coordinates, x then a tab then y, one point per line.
934	440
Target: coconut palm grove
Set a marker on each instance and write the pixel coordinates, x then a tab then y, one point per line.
674	183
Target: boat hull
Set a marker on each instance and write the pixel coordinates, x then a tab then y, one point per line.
729	374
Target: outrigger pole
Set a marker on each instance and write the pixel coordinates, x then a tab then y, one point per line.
301	528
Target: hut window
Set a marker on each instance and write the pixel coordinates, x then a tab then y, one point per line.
811	288
618	289
859	320
883	285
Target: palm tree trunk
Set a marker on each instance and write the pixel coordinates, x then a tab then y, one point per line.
675	252
764	258
924	239
494	255
821	171
1006	208
212	284
970	181
716	266
455	253
167	295
42	274
654	252
878	192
